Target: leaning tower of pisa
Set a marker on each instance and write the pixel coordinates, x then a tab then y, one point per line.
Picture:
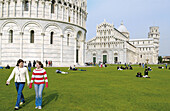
52	30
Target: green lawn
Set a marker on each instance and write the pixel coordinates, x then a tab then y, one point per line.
97	89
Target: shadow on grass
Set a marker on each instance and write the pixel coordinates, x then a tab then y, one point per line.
29	99
50	97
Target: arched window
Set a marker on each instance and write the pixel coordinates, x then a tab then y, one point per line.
26	5
59	2
11	36
65	3
52	6
70	5
51	37
68	37
101	33
109	32
32	36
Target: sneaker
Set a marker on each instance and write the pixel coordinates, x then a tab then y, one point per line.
16	108
21	103
39	107
36	107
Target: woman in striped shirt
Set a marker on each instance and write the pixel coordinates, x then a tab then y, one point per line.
38	76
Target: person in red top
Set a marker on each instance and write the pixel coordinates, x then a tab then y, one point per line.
38	76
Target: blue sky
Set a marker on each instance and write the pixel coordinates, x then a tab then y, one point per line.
137	15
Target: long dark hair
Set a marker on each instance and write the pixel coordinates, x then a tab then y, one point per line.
19	61
39	62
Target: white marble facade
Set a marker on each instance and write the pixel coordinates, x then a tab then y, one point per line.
113	45
53	30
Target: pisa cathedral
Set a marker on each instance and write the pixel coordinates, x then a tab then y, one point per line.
53	30
113	45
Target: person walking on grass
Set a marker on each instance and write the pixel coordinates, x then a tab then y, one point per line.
29	66
20	72
166	65
38	76
46	63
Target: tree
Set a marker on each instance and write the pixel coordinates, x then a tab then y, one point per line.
160	59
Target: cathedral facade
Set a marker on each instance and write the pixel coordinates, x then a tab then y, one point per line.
53	30
113	46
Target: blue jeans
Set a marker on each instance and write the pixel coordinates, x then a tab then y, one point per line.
38	92
20	96
29	69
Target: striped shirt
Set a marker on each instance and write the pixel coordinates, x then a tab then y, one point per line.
38	76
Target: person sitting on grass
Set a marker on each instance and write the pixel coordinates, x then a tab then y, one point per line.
118	68
146	74
81	69
130	68
139	74
149	69
160	67
70	68
61	72
105	65
122	67
7	67
74	68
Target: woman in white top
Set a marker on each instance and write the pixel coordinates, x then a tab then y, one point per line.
20	72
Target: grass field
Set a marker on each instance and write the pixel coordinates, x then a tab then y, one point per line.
97	89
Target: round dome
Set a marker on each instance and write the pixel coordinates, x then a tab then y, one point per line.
122	28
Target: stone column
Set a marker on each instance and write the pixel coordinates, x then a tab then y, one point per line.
1	12
67	14
62	13
50	14
78	17
14	10
81	19
21	44
7	10
75	50
125	53
0	48
75	17
36	2
21	8
42	48
72	17
43	9
82	52
62	36
56	8
29	13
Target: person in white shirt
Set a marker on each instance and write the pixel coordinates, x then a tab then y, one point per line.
20	72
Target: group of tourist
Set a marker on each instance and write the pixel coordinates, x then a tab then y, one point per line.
146	72
49	63
102	65
139	74
40	80
125	68
38	76
75	69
